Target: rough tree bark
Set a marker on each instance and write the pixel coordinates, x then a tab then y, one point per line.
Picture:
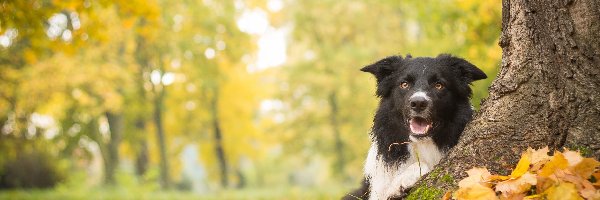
547	92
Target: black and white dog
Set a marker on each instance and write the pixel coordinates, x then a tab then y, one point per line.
423	109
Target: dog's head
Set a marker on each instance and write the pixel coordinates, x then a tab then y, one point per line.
423	92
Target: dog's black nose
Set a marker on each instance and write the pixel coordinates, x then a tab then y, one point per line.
418	103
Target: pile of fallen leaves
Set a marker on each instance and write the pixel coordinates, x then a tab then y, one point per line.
565	175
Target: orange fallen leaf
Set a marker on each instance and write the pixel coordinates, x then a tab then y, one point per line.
518	185
590	194
498	178
477	176
519	196
557	161
543	183
565	175
447	195
475	192
585	168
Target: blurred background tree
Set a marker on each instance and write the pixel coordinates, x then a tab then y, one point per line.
210	96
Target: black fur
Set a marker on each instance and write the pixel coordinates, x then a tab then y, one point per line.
449	110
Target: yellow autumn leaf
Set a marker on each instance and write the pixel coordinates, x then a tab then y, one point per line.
498	178
475	192
538	158
557	161
585	167
563	191
519	196
515	186
522	166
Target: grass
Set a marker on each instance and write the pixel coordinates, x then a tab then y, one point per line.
120	193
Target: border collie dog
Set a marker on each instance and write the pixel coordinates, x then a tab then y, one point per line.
423	109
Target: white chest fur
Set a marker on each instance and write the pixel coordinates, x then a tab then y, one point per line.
388	181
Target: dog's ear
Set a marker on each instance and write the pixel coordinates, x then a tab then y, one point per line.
382	70
468	71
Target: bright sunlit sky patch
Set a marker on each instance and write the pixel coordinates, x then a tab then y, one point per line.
271	41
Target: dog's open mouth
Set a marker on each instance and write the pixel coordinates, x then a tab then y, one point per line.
419	126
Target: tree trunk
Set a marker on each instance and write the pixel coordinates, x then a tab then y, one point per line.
142	154
165	180
115	124
141	57
339	145
219	140
546	93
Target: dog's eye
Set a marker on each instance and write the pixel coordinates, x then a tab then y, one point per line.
439	86
404	85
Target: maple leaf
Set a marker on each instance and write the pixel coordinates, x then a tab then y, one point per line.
558	161
585	168
563	191
590	194
477	176
585	188
475	192
518	185
543	183
523	165
498	178
565	175
573	157
539	155
519	196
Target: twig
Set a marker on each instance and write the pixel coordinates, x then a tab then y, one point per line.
395	143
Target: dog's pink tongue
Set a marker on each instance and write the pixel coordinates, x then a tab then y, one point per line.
419	126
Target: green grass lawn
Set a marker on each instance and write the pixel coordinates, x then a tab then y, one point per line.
119	193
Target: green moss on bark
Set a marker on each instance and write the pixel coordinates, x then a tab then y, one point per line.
424	192
447	178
